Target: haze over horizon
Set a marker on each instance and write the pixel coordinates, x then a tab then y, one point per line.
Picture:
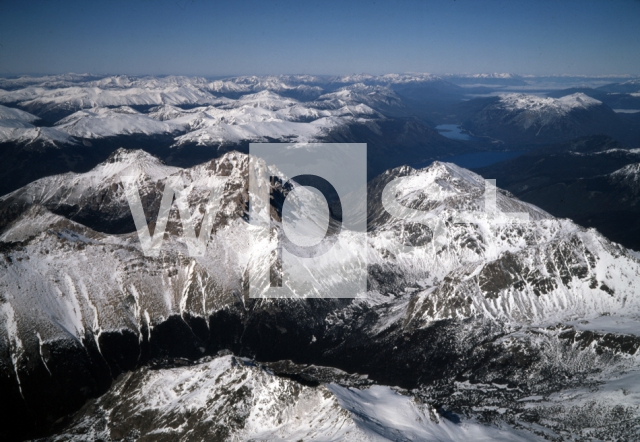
261	38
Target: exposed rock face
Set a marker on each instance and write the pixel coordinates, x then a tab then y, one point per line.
470	325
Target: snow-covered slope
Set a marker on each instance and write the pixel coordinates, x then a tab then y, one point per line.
8	113
16	131
105	122
75	98
233	398
267	116
544	271
372	96
16	127
629	176
560	106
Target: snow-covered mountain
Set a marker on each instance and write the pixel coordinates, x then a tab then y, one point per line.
545	106
234	398
86	91
12	131
267	116
187	120
531	119
378	97
96	198
626	87
495	324
472	326
16	127
107	122
7	113
100	122
628	176
535	257
103	109
299	86
487	79
46	80
65	100
503	75
76	195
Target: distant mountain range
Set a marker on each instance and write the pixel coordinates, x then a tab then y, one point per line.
624	96
72	122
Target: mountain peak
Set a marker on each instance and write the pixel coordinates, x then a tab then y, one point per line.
629	175
441	169
124	155
578	99
133	161
535	103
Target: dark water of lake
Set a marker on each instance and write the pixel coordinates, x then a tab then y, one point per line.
469	160
474	160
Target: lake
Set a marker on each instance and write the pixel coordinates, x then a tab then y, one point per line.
453	131
469	160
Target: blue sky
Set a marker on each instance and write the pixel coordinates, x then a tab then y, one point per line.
217	38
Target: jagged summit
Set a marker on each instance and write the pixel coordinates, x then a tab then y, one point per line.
245	401
136	162
266	97
123	155
444	188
